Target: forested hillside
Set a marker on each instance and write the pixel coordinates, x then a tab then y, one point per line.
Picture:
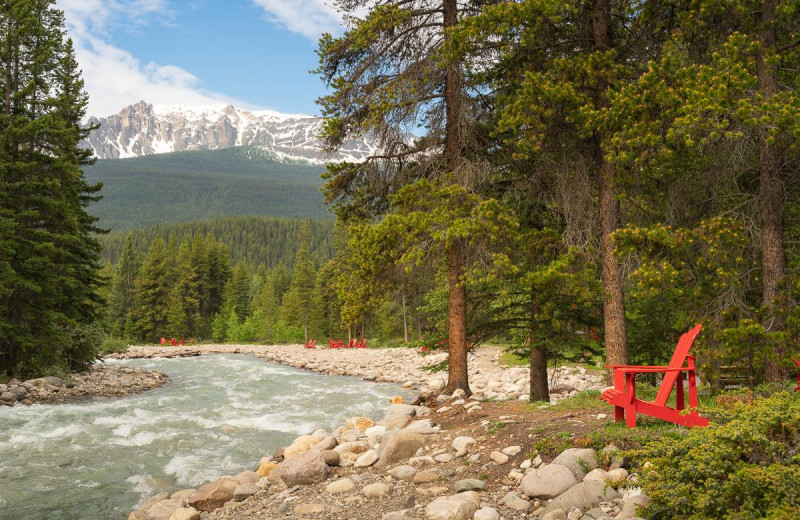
185	186
255	241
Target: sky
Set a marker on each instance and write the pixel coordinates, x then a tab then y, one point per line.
254	54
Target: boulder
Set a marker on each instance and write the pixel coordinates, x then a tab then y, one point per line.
327	443
462	444
398	415
498	458
247	477
359	423
586	495
245	491
265	467
332	458
548	481
211	496
162	510
183	495
455	507
300	445
631	506
596	474
579	460
398	445
304	469
486	513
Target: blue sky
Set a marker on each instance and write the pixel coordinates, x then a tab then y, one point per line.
251	53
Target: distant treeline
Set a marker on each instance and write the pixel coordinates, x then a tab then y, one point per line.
253	240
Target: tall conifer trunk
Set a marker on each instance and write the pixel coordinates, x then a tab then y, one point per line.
613	293
771	194
457	377
539	390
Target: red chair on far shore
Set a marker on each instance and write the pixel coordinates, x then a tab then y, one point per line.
798	375
335	344
312	343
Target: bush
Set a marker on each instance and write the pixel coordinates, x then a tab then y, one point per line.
746	468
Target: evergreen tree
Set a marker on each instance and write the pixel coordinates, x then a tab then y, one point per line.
49	266
122	296
153	287
185	298
298	301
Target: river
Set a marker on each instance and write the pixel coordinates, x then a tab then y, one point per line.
219	415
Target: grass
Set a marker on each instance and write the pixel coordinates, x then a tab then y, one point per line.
510	359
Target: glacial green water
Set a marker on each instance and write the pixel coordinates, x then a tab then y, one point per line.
219	415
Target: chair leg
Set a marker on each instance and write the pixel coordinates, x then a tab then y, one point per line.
630	417
619	414
679	393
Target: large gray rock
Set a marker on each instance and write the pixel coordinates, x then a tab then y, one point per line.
245	491
585	495
398	445
515	502
304	469
469	484
328	443
185	513
455	507
398	415
211	496
9	397
548	481
630	507
579	460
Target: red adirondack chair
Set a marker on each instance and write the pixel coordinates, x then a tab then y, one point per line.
362	343
312	343
627	405
798	375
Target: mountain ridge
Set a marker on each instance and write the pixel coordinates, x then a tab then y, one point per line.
144	129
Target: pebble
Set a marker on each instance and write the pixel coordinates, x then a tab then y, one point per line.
498	458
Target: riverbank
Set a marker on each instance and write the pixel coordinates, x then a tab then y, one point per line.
100	380
489	380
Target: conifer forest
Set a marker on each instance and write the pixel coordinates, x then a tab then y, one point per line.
580	180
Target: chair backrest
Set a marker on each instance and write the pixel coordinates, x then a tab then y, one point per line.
678	358
796	362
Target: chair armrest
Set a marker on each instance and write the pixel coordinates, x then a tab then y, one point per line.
627	369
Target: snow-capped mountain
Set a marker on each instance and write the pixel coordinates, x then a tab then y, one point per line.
145	129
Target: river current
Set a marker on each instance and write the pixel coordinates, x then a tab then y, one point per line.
219	415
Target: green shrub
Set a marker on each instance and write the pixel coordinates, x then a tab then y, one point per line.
747	467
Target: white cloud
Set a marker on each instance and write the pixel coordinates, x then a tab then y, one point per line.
113	77
310	18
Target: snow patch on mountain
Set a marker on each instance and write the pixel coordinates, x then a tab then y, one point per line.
145	129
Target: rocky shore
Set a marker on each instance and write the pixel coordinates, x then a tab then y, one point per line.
100	380
488	379
454	460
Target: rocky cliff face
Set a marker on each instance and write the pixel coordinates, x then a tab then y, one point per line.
145	129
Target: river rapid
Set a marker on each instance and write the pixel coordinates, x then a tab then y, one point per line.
218	416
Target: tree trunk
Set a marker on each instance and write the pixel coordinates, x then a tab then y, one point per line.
457	329
613	292
538	384
771	196
405	316
457	315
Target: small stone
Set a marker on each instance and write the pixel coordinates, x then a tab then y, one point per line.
360	423
456	507
526	464
377	490
486	513
366	459
425	476
265	467
596	474
601	416
403	472
499	458
511	450
247	477
515	502
340	486
469	484
443	458
185	513
555	514
309	509
395	515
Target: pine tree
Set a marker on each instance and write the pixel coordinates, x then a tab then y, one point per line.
297	303
122	296
49	268
152	288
